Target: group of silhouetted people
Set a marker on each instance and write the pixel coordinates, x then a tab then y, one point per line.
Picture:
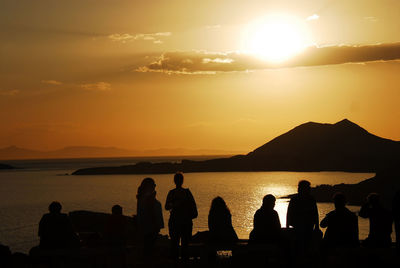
55	228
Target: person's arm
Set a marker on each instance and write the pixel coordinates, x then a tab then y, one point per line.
256	220
193	202
316	216
325	221
289	214
277	221
364	211
355	226
168	202
210	222
40	231
160	219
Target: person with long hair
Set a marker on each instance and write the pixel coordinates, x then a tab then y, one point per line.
267	226
220	222
149	214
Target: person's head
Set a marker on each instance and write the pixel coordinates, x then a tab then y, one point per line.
55	207
374	200
146	187
116	210
304	187
178	179
339	199
218	205
269	201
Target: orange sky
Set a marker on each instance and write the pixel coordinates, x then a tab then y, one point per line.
166	74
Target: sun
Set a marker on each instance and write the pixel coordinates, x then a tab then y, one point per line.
276	38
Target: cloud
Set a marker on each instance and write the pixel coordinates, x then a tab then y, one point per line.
202	62
11	92
371	19
52	82
155	37
99	86
313	17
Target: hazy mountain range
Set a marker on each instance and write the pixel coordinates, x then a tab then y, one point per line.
343	146
13	152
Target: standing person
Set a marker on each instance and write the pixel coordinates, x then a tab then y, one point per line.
302	215
267	226
342	225
183	209
380	222
220	222
149	214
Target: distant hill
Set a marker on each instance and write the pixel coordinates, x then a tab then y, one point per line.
386	183
13	152
343	146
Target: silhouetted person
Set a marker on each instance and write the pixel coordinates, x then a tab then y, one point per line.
267	226
380	222
341	224
396	217
220	222
183	209
55	229
149	214
302	215
116	228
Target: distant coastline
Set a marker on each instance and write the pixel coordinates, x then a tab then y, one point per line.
310	147
5	166
84	152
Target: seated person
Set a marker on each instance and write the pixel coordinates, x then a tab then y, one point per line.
341	224
267	226
220	223
55	229
380	222
116	228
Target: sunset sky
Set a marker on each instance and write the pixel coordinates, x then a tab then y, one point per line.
222	74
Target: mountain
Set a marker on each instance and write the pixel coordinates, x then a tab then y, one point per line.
343	146
13	152
315	146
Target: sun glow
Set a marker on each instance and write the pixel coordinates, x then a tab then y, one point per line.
276	38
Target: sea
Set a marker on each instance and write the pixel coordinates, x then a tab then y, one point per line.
26	192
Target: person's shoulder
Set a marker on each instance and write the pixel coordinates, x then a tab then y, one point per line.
311	198
46	216
294	198
348	211
332	213
258	212
172	191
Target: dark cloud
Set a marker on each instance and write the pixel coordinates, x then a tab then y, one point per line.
198	62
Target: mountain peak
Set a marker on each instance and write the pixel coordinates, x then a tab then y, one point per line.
345	122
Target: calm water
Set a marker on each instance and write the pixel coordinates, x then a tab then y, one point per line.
25	194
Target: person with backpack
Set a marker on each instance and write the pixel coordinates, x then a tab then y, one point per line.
183	210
